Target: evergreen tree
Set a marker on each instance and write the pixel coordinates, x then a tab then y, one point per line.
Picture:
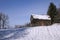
52	12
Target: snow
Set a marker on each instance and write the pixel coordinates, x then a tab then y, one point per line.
46	17
7	36
51	32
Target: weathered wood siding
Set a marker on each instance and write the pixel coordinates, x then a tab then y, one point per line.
37	22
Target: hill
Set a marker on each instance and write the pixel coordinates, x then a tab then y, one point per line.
32	33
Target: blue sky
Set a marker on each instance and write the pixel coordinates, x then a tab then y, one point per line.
19	11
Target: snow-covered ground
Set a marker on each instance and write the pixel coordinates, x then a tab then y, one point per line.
32	33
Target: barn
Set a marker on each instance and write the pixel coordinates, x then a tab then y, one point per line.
40	20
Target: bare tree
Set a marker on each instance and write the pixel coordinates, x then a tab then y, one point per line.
3	20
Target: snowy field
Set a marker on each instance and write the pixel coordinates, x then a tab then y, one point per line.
32	33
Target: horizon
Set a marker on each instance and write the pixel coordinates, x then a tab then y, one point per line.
19	11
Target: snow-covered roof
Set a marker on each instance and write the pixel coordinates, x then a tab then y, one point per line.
45	17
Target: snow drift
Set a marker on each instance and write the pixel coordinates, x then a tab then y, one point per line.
34	33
